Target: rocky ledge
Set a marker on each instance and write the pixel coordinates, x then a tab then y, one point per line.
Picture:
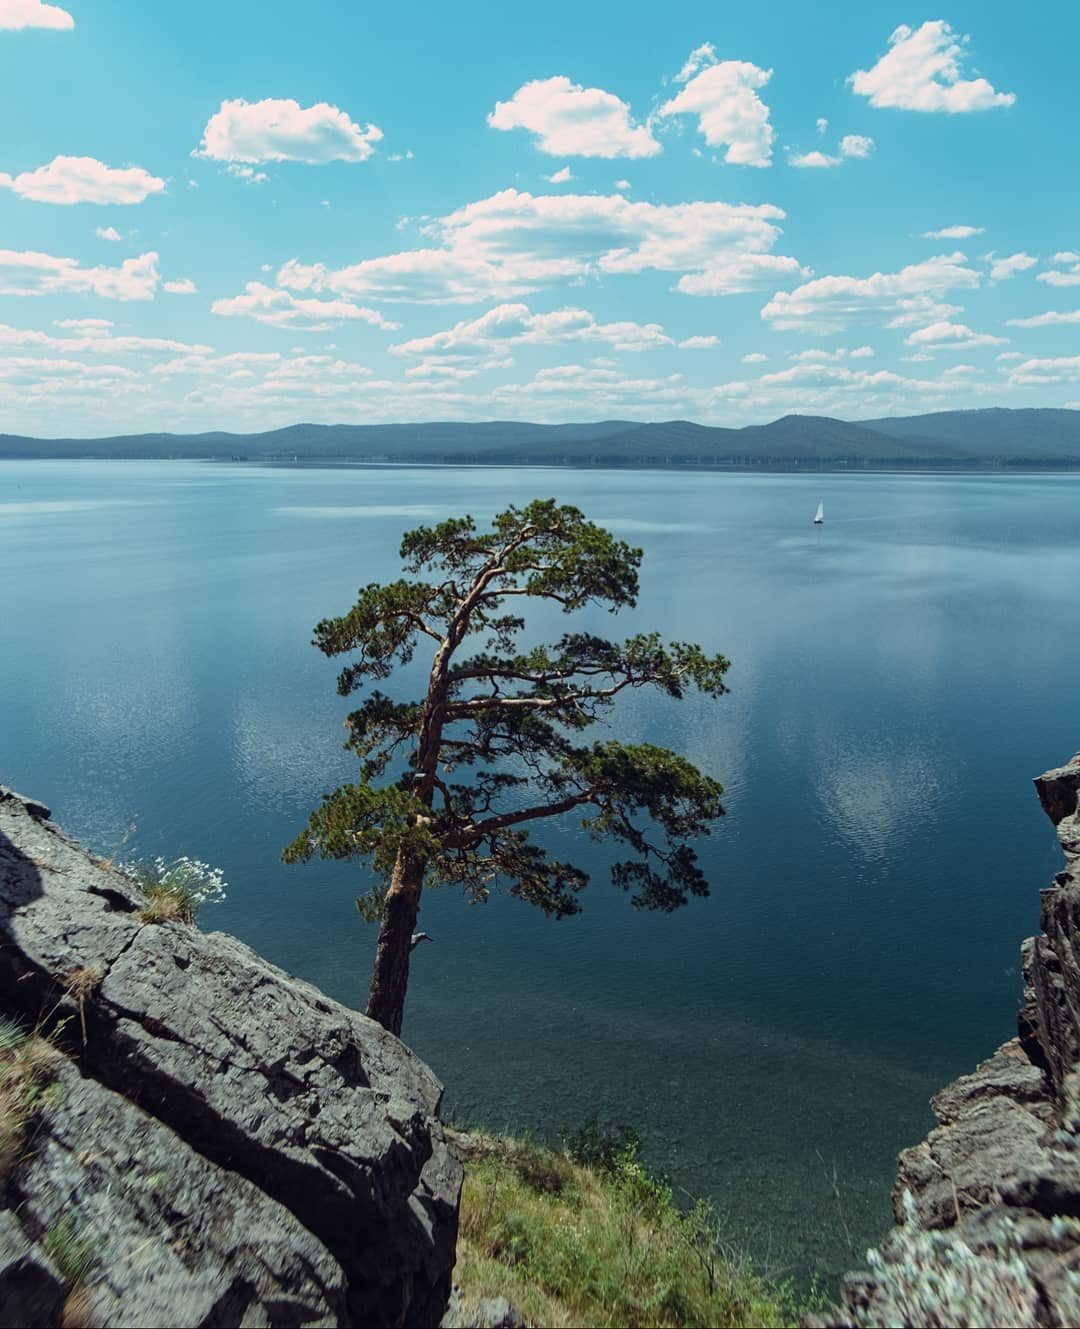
988	1206
218	1143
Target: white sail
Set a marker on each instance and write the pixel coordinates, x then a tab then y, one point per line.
819	516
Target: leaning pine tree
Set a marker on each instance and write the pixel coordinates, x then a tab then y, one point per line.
493	745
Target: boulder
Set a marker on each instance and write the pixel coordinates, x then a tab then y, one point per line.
305	1120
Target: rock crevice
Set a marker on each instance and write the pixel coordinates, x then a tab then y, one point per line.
315	1131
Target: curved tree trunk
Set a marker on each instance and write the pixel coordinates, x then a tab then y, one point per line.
390	978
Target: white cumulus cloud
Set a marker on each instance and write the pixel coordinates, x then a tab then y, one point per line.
107	233
921	71
514	242
1050	319
560	177
26	272
951	337
699	343
829	304
1071	274
279	309
814	159
16	14
856	145
182	286
83	180
281	130
510	325
571	121
851	145
723	94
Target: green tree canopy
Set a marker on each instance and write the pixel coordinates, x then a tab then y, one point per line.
497	741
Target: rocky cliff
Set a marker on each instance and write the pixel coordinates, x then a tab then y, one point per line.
199	1139
988	1206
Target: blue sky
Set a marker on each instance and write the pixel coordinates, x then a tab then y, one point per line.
242	216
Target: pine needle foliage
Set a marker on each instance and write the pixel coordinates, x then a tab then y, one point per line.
449	783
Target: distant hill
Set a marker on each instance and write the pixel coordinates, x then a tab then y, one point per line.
1030	432
996	437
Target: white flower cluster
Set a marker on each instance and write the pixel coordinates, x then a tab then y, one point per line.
190	881
197	882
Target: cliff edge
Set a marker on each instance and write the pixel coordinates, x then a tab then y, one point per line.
198	1139
988	1206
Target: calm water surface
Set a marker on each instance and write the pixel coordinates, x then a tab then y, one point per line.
898	676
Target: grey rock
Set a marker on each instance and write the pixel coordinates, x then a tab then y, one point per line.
174	1240
327	1115
31	1290
995	1189
488	1313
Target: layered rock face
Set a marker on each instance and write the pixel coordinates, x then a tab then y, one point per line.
989	1204
227	1144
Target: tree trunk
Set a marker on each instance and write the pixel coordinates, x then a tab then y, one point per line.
390	977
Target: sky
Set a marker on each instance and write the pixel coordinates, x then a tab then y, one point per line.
242	216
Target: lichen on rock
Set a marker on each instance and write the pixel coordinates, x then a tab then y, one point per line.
235	1147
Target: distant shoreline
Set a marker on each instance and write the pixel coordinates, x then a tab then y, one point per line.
994	439
947	466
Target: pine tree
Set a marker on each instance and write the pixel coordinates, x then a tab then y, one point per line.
495	742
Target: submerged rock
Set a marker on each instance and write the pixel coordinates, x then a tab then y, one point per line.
234	1146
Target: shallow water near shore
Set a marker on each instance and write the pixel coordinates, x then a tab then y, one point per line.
898	676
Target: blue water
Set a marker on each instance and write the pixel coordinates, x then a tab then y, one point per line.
898	676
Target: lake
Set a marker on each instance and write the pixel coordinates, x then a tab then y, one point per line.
898	676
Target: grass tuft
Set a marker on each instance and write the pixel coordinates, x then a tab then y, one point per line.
27	1067
71	1249
175	891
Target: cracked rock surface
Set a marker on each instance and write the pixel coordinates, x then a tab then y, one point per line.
988	1205
240	1148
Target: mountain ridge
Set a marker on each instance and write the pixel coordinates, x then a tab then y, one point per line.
995	436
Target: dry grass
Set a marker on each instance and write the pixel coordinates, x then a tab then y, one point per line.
165	904
28	1064
80	984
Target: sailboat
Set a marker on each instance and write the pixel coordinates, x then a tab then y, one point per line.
819	516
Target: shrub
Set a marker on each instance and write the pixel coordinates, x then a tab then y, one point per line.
601	1146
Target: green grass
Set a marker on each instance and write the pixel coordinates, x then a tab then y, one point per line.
73	1250
571	1244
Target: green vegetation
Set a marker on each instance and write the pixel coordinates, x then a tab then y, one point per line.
599	1243
71	1249
175	891
27	1066
507	717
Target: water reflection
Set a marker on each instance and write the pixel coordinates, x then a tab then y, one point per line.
904	668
